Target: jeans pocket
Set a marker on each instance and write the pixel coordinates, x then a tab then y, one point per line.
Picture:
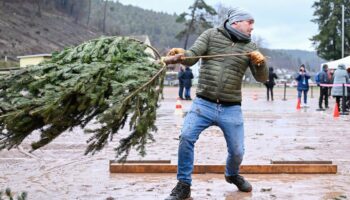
237	119
199	107
234	115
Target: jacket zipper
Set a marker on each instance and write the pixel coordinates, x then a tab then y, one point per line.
220	79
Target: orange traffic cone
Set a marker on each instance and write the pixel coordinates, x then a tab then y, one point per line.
298	104
336	110
178	108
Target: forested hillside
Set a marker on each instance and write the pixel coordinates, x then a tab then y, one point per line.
292	59
30	28
43	26
23	31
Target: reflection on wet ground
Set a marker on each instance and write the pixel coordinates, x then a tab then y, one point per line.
274	131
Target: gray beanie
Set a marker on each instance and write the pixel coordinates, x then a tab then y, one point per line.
238	14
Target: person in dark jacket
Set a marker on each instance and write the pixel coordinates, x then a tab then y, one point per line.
324	79
331	80
219	95
348	97
270	83
180	76
303	84
187	79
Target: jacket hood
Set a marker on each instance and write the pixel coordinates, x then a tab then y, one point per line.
341	66
222	29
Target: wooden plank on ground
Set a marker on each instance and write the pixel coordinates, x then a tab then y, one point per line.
146	161
301	162
245	169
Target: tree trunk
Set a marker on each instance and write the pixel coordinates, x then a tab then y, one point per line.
104	17
190	25
188	33
38	3
71	10
89	12
77	11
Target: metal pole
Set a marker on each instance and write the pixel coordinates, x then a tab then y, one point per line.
343	112
342	34
285	87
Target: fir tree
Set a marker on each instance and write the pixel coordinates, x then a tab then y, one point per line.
328	16
107	80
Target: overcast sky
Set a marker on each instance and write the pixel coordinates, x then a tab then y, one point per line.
282	24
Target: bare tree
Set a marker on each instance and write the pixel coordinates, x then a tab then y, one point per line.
38	3
72	7
221	16
89	12
259	41
104	17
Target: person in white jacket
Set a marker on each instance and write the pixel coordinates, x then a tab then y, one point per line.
340	77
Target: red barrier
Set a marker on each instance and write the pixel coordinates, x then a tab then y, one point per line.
332	85
313	84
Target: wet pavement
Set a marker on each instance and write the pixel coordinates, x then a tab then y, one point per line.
274	131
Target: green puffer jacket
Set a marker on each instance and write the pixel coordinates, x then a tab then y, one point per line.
220	78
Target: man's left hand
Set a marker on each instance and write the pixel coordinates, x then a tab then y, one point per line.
257	58
173	59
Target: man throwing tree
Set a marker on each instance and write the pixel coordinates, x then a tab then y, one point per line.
218	94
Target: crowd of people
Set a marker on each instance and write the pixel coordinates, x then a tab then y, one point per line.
330	83
325	80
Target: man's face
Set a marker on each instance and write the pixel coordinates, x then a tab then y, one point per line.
245	27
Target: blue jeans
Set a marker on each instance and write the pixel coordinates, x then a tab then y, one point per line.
202	115
187	92
181	91
305	95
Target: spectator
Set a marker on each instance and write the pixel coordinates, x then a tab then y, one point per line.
270	83
331	78
303	84
348	97
187	78
340	77
323	79
180	76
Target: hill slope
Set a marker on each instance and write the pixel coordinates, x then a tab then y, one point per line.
292	59
23	32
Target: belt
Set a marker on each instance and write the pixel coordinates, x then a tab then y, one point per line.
224	103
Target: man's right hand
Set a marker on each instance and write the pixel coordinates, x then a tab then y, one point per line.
175	51
257	58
